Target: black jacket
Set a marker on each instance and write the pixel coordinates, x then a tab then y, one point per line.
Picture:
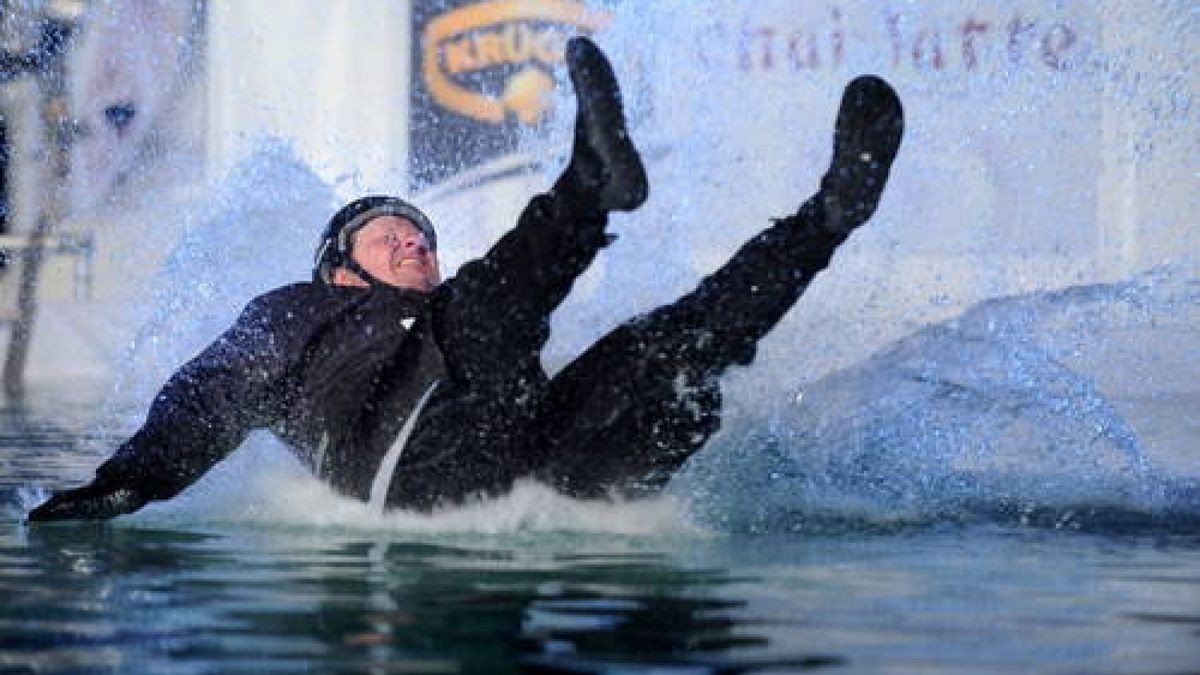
333	371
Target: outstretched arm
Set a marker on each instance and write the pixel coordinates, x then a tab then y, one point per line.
201	415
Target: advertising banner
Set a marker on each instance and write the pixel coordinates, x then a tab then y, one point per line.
483	71
1004	121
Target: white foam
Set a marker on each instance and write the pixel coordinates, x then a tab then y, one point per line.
263	484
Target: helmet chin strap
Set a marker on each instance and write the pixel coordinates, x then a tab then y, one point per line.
352	265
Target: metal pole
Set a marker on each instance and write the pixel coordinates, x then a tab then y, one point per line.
22	330
51	79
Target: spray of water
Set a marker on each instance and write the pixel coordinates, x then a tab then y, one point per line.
254	231
893	393
999	413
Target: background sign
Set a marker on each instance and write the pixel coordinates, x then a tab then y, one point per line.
483	71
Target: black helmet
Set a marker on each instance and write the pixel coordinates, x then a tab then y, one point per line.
333	251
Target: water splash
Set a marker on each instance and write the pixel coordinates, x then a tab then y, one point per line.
1007	411
998	414
264	484
253	232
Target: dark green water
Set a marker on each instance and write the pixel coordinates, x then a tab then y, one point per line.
225	583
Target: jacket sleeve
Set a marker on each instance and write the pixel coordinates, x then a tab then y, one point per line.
497	308
206	409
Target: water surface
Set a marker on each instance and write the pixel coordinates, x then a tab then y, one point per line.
234	580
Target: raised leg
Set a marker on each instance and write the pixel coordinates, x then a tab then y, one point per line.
493	316
624	416
496	310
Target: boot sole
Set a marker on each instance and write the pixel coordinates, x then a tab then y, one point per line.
602	120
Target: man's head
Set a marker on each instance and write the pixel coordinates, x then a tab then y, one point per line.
378	240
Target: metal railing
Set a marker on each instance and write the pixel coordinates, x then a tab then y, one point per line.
80	244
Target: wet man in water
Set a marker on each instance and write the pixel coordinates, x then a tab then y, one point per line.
401	389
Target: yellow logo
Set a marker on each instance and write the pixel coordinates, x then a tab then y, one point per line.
462	46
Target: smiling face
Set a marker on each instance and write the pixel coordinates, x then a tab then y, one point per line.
394	251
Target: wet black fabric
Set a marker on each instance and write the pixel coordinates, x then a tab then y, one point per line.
337	371
328	369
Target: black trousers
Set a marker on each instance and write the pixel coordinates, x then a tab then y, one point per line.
628	412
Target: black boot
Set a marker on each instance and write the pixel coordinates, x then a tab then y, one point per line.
605	172
870	124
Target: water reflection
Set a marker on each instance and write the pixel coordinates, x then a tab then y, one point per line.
104	596
82	596
416	603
